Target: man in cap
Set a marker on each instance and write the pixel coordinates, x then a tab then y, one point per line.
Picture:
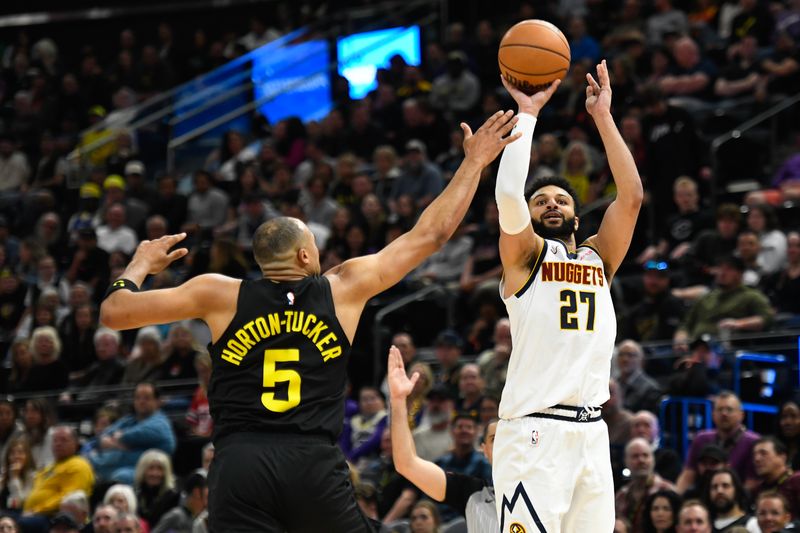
64	523
458	90
420	178
433	439
138	185
730	306
711	459
448	347
658	313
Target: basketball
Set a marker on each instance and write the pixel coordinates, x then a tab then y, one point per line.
532	54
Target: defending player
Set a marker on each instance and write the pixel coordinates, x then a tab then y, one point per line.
552	470
279	352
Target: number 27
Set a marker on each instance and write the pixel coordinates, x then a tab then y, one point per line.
570	309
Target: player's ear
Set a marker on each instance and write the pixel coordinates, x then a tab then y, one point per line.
303	256
577	223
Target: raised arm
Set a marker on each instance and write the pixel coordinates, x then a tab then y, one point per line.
427	476
518	242
355	281
209	297
616	230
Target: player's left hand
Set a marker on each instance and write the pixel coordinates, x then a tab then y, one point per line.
156	256
598	95
400	385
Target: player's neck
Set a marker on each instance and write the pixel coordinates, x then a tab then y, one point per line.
283	272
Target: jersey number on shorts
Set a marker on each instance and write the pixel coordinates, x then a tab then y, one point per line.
274	375
569	310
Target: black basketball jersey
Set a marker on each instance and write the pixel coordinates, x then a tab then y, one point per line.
281	363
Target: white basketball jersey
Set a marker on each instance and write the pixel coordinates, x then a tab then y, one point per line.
563	329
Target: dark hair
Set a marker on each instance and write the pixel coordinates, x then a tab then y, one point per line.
558	181
777	445
150	384
275	237
486	427
739	496
729	212
770	217
674	502
195	480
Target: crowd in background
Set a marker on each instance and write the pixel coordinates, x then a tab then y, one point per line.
703	268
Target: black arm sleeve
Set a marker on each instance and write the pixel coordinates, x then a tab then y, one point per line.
459	489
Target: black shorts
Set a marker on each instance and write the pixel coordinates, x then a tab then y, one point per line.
266	482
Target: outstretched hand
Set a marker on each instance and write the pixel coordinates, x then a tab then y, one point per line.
598	95
400	385
533	103
490	139
156	256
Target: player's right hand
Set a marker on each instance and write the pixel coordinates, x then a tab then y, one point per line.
155	255
400	385
530	104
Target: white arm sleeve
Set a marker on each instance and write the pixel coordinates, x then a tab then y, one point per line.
510	187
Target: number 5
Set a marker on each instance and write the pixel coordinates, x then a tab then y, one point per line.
273	376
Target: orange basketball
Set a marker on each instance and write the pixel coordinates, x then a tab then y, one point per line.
532	54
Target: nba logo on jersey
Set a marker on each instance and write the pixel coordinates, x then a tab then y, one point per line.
534	441
290	298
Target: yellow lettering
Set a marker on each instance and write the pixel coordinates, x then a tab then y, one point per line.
247	342
331	353
316	331
309	318
275	323
297	322
261	325
231	357
236	347
249	327
328	338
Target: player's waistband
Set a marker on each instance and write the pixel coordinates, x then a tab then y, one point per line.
272	436
570	413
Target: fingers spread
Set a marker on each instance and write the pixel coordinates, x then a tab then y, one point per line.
511	138
592	83
508	126
504	119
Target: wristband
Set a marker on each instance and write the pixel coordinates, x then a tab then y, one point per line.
121	284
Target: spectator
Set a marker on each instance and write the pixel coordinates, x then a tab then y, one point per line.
470	388
691	76
782	67
772	512
207	206
10	427
789	431
712	244
107	370
742	77
729	307
122	498
134	214
433	439
420	178
77	334
772	468
661	512
457	91
64	523
697	373
127	523
483	269
754	20
665	21
146	361
736	440
360	440
764	222
416	400
9	525
667	462
464	458
68	473
198	417
115	235
583	47
448	346
616	416
38	418
76	506
194	498
748	249
116	451
103	519
727	500
630	499
639	389
16	477
712	459
154	485
49	372
170	204
425	518
180	354
784	286
493	362
694	518
396	495
658	313
89	263
14	169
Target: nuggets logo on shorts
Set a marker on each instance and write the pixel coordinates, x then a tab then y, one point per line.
516	527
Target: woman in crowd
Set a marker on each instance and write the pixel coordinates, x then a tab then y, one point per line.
21	365
425	518
147	357
10	427
789	430
38	418
49	373
181	351
661	512
154	485
123	499
764	222
16	477
361	438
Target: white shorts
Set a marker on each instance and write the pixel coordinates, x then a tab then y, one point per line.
553	476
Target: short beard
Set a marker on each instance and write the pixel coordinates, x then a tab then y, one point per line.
724	507
562	232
